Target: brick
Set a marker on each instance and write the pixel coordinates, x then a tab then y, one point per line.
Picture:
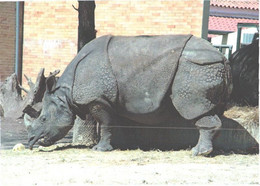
7	39
58	21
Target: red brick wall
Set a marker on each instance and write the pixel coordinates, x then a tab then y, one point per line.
7	39
149	17
50	28
50	36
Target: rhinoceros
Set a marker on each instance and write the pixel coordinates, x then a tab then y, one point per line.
146	79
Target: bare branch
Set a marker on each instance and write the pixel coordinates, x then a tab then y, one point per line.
75	8
29	82
26	77
22	88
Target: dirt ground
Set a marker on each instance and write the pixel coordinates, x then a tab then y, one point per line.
135	167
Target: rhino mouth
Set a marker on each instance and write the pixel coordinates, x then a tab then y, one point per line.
45	142
42	140
33	140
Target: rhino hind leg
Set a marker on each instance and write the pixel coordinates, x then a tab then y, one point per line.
197	92
208	126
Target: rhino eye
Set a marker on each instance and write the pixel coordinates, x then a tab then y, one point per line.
43	118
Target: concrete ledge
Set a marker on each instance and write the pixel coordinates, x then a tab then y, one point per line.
231	137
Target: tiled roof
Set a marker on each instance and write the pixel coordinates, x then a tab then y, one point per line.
226	23
241	4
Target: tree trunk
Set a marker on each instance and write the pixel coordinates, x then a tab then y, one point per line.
10	98
85	132
86	27
13	105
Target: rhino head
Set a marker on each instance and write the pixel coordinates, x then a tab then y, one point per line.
55	119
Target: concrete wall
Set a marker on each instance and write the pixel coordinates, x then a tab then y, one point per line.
232	136
7	39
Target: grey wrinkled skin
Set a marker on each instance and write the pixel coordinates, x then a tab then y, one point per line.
146	79
85	132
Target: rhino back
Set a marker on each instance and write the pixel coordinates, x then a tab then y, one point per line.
144	67
200	51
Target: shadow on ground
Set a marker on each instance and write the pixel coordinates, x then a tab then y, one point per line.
231	138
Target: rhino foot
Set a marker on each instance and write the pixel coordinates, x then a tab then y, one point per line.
204	146
208	126
102	147
201	150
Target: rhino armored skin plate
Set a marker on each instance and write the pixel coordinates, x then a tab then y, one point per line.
146	79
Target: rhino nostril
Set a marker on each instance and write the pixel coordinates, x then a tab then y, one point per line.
31	138
43	118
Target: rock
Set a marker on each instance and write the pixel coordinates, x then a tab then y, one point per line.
19	147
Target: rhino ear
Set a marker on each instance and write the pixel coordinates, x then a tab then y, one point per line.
54	73
51	84
51	81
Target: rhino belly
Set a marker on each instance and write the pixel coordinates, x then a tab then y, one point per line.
164	114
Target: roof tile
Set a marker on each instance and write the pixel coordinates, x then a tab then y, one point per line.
242	4
227	23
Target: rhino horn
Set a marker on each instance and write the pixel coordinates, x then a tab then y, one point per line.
51	81
28	121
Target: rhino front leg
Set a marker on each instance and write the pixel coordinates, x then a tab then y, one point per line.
103	115
85	131
208	126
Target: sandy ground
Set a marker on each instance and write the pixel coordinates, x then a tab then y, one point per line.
135	167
